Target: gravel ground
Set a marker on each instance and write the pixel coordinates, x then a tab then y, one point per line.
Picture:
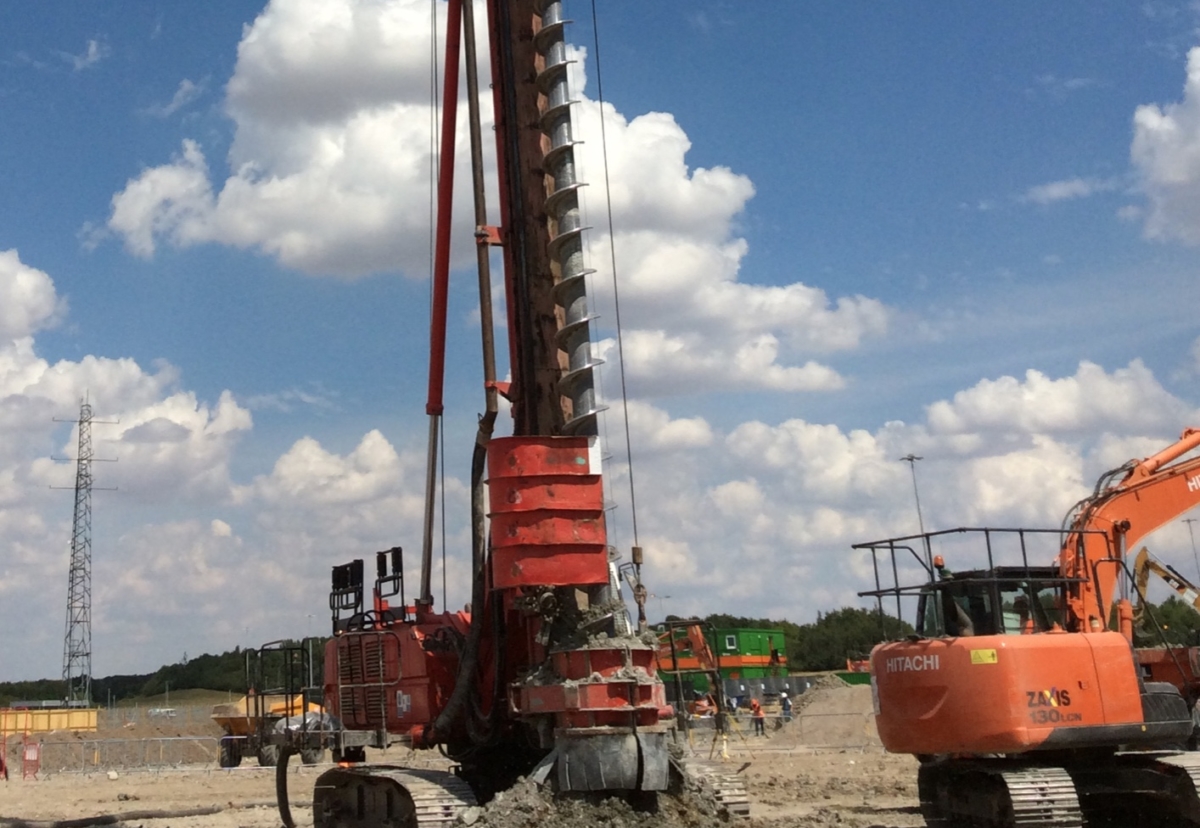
796	777
855	790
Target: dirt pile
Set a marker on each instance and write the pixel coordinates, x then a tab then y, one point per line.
831	716
528	805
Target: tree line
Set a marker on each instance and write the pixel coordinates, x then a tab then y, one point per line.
824	644
225	672
1178	624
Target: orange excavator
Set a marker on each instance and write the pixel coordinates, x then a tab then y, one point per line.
683	650
1021	691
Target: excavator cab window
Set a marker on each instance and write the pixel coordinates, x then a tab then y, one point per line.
1030	607
957	608
929	617
988	603
1005	597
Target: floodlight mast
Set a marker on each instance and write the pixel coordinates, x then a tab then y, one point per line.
912	459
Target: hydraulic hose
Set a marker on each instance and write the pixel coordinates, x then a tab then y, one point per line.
281	787
465	681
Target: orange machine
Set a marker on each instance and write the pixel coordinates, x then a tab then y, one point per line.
687	651
1021	691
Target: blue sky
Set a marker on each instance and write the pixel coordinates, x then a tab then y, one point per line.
850	231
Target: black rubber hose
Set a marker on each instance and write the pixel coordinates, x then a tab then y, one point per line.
108	819
281	787
465	680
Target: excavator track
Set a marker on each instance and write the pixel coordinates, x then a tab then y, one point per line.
1043	797
366	796
1187	764
727	786
983	794
1140	790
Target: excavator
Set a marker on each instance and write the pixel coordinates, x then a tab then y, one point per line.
543	674
1020	690
1144	565
1165	663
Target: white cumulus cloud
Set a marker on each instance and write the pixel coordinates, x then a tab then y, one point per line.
1166	155
28	301
331	153
1091	400
1068	189
790	498
329	172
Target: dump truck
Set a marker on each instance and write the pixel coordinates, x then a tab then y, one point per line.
247	722
276	697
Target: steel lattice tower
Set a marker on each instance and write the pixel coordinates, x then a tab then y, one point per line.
77	644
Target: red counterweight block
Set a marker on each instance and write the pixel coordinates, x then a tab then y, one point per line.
547	512
597	686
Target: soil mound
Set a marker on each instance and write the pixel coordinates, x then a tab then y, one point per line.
831	715
528	805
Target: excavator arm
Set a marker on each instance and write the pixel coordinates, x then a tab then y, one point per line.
1129	503
1144	565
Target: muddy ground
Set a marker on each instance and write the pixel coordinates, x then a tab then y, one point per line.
824	768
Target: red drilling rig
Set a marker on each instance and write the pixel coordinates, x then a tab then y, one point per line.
543	674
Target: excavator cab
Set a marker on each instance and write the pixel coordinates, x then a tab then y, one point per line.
1001	601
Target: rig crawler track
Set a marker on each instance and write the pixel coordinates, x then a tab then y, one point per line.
367	796
728	788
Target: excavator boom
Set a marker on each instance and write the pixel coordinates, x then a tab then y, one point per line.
1128	503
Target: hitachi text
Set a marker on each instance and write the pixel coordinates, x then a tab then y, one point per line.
912	664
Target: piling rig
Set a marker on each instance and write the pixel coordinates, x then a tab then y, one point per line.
543	674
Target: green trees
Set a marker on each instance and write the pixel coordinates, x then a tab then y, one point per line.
826	643
1180	624
224	672
849	632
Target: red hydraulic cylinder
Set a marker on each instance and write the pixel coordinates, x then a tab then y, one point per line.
441	253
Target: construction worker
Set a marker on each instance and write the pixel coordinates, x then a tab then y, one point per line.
1021	605
760	718
785	705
